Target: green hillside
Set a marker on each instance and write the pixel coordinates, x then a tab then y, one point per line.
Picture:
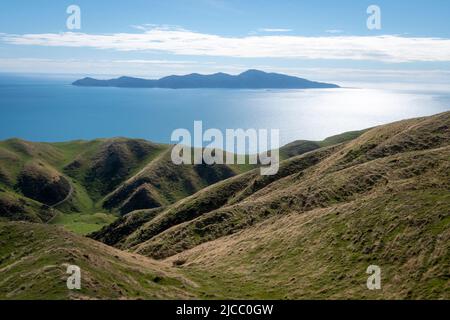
85	185
34	260
310	231
375	197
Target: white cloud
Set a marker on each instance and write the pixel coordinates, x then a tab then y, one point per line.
388	48
334	31
142	61
109	68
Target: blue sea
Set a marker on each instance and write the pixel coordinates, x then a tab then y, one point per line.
51	109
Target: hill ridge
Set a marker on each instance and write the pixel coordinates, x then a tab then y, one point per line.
376	197
362	171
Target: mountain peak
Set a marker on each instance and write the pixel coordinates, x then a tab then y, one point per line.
253	72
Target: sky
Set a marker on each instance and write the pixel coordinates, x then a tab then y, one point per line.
321	40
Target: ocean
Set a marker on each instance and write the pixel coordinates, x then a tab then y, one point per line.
51	109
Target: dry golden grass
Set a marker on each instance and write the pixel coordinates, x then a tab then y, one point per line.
312	230
34	260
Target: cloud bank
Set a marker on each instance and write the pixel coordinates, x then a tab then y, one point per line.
387	48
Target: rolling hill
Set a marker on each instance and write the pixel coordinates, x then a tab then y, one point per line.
34	260
86	184
319	178
310	231
70	182
380	196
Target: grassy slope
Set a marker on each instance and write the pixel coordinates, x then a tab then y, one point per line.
309	232
324	253
300	147
40	163
101	167
130	173
19	159
382	198
215	196
162	183
15	207
107	175
84	224
228	192
34	260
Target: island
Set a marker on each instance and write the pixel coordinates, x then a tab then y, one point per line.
251	79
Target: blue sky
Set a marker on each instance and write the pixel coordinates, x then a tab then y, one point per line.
322	39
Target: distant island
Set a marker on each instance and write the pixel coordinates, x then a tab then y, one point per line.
251	79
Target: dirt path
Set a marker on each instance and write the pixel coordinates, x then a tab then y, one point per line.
68	196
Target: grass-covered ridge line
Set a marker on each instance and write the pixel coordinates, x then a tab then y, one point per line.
380	196
67	182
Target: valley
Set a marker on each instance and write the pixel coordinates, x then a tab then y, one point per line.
142	227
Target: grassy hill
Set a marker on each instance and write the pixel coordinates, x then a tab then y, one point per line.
300	147
324	253
384	159
310	231
34	260
375	197
85	185
162	182
76	183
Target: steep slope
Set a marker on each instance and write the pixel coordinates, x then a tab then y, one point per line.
103	168
34	260
209	198
43	183
324	253
300	147
16	153
29	182
310	231
162	183
118	175
412	154
226	192
18	208
40	181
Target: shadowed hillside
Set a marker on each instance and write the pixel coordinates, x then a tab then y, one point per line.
376	197
162	183
103	168
75	183
68	182
381	159
383	197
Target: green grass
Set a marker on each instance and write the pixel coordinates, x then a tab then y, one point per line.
340	138
324	254
84	224
308	232
34	260
71	149
90	178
